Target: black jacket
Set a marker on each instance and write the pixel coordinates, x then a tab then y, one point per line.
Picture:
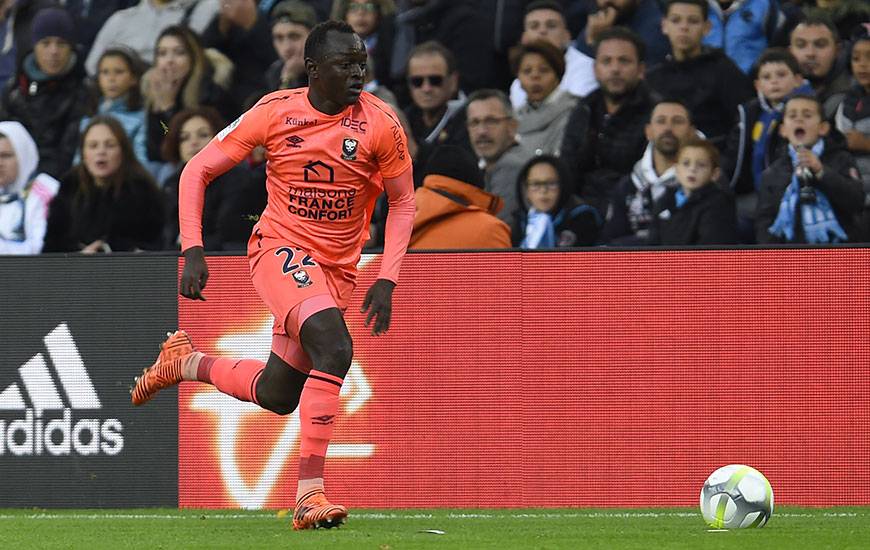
711	86
599	148
840	183
51	109
707	217
228	212
737	155
128	220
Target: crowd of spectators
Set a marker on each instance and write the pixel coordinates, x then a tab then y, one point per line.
532	123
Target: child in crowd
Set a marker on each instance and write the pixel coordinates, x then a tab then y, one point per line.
813	194
703	78
551	216
698	211
853	116
754	142
118	72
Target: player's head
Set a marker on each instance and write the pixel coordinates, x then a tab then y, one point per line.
335	59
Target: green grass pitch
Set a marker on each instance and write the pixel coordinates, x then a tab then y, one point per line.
791	528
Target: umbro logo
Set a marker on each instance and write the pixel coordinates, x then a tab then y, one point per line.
37	393
294	141
324	420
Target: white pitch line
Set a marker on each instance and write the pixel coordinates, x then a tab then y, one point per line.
391	516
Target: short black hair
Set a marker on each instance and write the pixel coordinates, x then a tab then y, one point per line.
491	93
815	19
776	55
807	97
705	7
551	54
433	47
316	43
544	5
672	101
626	35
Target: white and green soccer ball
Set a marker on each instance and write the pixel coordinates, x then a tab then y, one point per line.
736	496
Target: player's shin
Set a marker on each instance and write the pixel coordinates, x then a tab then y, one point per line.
236	377
318	408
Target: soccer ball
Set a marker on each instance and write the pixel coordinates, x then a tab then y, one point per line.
736	496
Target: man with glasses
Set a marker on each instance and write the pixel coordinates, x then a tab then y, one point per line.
437	114
492	128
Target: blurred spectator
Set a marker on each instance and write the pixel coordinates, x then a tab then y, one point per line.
118	85
644	17
755	141
743	28
698	211
539	66
853	116
16	17
90	16
375	22
705	79
814	193
231	202
550	216
815	44
242	34
604	136
847	15
49	96
505	19
630	213
140	26
545	20
291	22
453	210
182	77
437	116
107	203
456	25
25	195
322	8
492	128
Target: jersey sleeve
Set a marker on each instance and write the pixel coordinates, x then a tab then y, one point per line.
391	146
245	133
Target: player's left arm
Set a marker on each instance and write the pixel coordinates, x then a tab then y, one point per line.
400	221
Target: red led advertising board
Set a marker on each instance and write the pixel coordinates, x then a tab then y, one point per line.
560	379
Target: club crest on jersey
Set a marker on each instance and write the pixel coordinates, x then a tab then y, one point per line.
348	148
302	279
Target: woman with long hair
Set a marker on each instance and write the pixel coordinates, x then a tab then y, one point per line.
184	76
232	201
108	202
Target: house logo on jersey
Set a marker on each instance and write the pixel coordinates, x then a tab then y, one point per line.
294	141
318	171
302	279
348	148
49	424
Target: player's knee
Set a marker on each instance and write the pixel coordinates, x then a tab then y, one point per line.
339	358
275	398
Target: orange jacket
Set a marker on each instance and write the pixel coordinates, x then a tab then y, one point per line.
468	220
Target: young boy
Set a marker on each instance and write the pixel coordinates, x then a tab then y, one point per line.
813	194
853	116
753	143
705	79
698	211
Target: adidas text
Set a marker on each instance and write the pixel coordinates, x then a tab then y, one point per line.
33	436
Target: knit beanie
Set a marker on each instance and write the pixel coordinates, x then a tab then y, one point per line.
455	162
52	22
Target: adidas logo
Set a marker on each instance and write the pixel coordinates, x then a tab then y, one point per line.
36	434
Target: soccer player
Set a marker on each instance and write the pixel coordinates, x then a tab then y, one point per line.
331	149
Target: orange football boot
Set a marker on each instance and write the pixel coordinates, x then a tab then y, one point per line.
166	371
313	511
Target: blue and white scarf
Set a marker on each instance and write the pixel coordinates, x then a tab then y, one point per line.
540	231
819	221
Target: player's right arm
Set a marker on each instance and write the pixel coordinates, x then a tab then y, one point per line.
230	146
